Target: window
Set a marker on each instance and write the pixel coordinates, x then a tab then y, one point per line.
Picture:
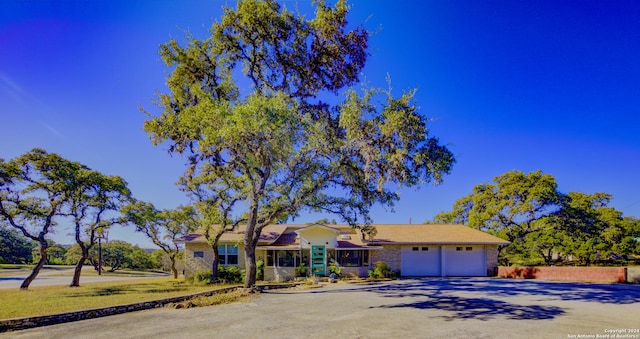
415	248
198	254
290	258
458	248
270	256
354	258
469	249
425	248
228	254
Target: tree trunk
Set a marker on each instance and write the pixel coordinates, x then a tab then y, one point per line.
250	264
214	265
43	259
174	270
75	282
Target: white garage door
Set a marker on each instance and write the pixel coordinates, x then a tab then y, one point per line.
465	261
420	261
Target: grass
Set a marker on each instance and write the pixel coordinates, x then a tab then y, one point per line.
42	300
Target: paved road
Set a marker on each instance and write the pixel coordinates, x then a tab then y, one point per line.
412	308
56	276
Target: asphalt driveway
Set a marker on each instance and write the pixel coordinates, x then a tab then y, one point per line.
409	308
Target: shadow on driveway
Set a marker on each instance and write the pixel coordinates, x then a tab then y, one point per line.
487	298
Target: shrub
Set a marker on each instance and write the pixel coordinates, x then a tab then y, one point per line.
301	271
199	278
230	274
335	268
260	269
381	270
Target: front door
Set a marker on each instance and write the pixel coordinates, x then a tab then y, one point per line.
318	254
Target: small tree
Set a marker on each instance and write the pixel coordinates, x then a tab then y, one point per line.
93	205
164	227
34	189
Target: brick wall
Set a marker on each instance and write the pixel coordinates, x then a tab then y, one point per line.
584	274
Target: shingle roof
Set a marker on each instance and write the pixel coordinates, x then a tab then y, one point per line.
432	234
285	235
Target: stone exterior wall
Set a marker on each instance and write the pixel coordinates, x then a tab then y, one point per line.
633	275
279	273
349	272
492	260
193	265
391	254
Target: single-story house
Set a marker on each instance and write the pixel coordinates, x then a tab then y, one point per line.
415	250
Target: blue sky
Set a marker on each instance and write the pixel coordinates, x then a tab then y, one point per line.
510	85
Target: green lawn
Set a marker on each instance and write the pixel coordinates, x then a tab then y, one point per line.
41	300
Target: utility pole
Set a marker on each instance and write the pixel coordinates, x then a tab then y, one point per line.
100	255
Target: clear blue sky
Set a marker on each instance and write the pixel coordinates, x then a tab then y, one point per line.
526	85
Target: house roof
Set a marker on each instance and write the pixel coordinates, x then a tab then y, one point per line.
286	236
269	234
432	234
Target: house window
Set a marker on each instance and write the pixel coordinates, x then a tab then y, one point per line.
228	254
198	254
270	256
425	248
353	258
469	248
289	258
415	248
458	248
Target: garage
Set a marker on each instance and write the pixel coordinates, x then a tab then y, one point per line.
465	261
421	261
448	261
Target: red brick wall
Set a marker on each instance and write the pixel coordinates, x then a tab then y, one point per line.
588	274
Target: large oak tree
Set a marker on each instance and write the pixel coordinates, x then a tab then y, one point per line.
266	111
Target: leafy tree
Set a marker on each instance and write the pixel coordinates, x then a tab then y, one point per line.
596	230
34	189
118	254
514	205
278	147
164	227
14	248
93	205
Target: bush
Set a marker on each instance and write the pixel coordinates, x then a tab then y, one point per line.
301	271
230	274
381	270
335	268
260	269
199	278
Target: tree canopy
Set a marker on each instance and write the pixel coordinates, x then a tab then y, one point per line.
38	190
299	135
544	224
163	227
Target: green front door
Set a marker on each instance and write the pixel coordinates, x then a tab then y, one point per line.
318	260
